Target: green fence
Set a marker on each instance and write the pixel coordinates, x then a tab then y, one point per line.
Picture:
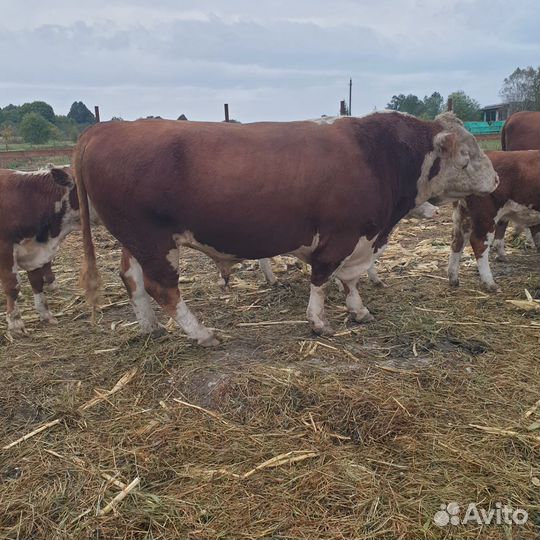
484	128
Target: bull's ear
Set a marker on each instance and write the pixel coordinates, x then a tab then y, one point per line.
445	144
61	177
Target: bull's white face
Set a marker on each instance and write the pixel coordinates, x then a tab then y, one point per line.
463	168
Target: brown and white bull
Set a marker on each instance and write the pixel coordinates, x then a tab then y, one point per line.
516	199
37	211
328	193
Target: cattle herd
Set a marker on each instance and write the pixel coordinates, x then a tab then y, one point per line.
328	192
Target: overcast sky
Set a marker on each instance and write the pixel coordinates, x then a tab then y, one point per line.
273	60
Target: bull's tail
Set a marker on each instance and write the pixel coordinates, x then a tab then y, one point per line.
503	137
89	279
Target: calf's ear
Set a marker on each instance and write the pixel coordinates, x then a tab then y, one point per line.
445	144
61	177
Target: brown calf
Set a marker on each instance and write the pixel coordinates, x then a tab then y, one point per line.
516	199
37	211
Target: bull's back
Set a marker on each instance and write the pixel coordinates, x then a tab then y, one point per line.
522	131
233	186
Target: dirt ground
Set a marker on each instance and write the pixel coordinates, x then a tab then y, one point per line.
277	433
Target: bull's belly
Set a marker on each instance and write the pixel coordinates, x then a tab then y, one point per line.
187	239
518	213
30	254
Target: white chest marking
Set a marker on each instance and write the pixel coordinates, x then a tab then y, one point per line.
30	254
358	261
518	213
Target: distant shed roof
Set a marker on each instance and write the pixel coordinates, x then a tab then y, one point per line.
497	106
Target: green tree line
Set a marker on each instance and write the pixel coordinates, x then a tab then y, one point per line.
37	123
520	90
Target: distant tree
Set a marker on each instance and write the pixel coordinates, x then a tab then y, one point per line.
182	117
34	128
40	107
55	133
521	89
7	134
117	119
67	126
11	113
433	105
80	113
465	107
409	104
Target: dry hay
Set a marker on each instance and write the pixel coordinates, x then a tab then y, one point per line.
276	433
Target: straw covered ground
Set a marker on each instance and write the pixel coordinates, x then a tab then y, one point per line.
276	433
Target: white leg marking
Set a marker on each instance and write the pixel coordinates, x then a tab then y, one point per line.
192	327
266	269
315	311
484	270
498	247
453	267
51	286
140	299
14	321
533	240
42	308
536	239
359	312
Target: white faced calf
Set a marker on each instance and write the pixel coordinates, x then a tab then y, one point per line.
516	199
37	211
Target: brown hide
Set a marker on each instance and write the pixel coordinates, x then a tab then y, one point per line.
519	177
27	205
254	190
521	131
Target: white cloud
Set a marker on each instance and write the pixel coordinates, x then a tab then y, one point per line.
269	60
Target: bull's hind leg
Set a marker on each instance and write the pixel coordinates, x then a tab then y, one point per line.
37	281
10	284
325	260
461	233
133	278
161	282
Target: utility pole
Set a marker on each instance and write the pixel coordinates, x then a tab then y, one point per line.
226	107
350	96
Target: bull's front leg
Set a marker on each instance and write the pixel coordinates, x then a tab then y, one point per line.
37	281
315	312
10	284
